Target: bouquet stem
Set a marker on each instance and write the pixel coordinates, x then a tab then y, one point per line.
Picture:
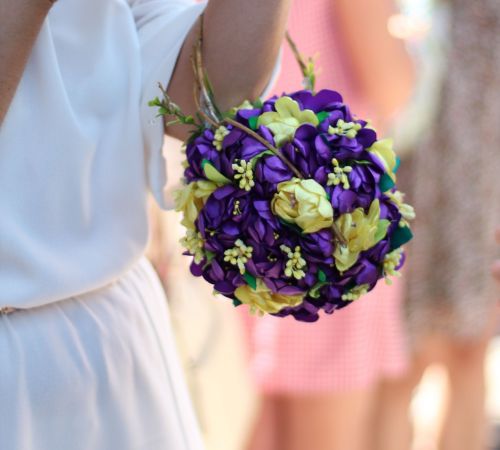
265	142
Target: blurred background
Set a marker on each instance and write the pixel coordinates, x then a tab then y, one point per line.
409	366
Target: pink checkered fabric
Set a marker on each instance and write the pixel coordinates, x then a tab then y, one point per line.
354	347
349	350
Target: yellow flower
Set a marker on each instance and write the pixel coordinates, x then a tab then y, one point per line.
361	232
219	135
262	300
383	149
303	202
356	292
193	242
191	198
288	117
406	210
295	262
238	255
348	129
391	261
244	172
340	175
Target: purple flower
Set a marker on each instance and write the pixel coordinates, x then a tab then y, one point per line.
231	215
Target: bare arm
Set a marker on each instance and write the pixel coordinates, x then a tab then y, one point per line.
20	22
241	43
381	62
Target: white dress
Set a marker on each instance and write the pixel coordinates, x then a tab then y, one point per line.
88	360
95	372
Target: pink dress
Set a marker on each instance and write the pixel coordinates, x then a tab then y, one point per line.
364	342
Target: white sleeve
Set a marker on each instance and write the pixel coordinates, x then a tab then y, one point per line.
162	27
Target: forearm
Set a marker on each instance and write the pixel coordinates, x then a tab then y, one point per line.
383	68
20	22
241	43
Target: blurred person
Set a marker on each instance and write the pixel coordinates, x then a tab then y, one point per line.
87	360
452	300
496	264
320	382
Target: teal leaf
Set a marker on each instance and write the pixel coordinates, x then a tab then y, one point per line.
213	174
322	115
321	276
251	280
252	122
401	236
236	303
386	183
398	164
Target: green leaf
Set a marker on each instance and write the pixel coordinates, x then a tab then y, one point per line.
173	122
209	256
210	91
193	134
236	302
256	158
155	102
315	290
322	115
321	276
213	174
258	103
386	183
401	236
382	227
252	122
251	280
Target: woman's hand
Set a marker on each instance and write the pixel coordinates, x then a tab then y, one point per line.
20	22
241	43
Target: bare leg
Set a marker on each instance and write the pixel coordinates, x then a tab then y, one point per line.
392	429
337	421
465	423
264	433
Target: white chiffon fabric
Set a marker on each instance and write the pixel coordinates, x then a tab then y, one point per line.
98	371
88	362
80	146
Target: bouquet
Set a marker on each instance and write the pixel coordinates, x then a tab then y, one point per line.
289	204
